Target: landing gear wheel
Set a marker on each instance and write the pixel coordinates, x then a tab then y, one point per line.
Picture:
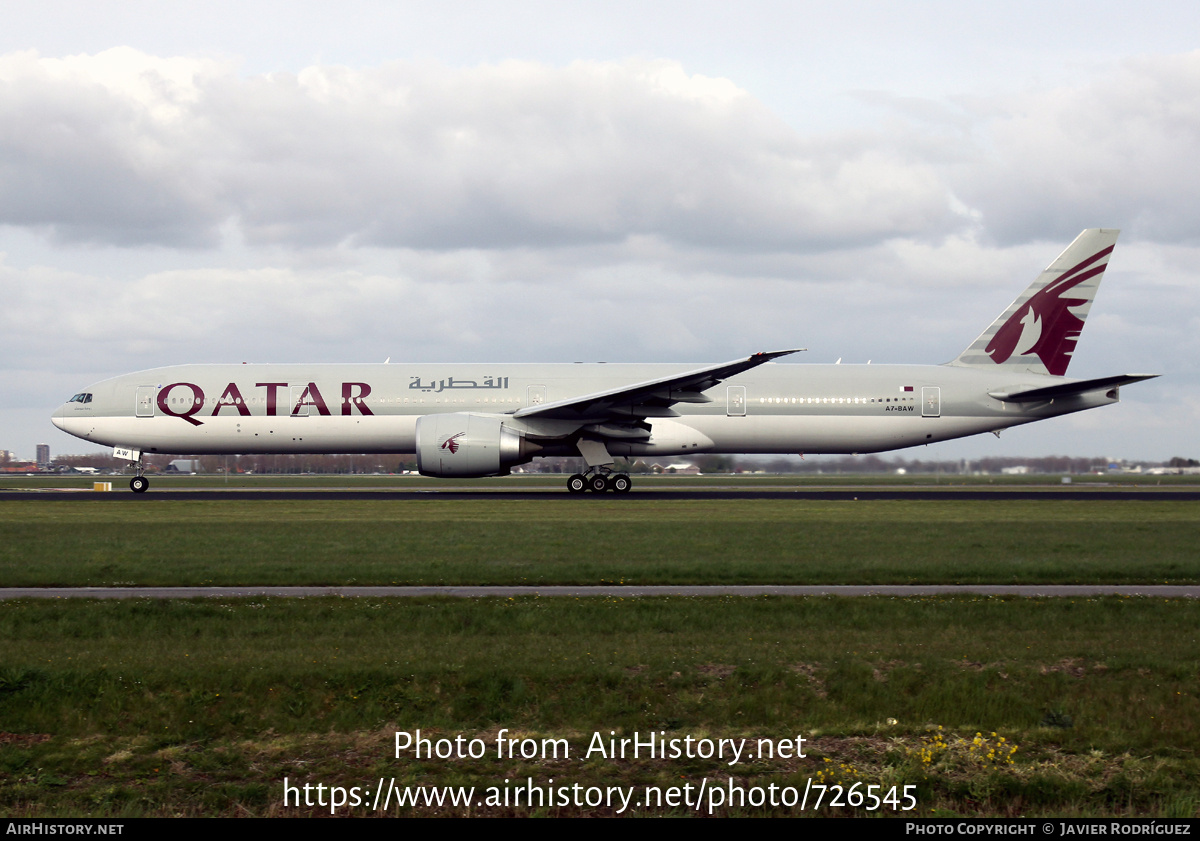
577	484
598	483
138	484
619	483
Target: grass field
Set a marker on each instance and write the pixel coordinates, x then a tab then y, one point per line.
592	541
204	707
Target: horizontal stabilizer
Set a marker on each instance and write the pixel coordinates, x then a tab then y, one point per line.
1024	394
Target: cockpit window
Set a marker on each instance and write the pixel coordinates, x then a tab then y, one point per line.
83	397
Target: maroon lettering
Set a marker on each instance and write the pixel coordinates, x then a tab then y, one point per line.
192	404
311	396
232	398
271	390
358	401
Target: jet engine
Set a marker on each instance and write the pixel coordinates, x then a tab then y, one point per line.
469	445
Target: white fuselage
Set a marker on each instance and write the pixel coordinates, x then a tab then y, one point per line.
774	408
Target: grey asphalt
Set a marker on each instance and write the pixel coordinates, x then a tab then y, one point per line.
894	590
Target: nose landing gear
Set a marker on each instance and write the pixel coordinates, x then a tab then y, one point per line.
139	483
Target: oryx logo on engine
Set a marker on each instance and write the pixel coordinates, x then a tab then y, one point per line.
451	443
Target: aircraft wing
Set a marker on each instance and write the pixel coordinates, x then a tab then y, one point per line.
650	399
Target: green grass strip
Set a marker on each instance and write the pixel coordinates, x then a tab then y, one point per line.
595	541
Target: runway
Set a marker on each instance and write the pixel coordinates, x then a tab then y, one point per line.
719	492
611	591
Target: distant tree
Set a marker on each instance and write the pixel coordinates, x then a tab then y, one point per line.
779	465
715	464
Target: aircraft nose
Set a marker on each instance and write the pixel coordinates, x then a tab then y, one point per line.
59	418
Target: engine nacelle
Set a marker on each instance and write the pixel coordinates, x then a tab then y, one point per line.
468	445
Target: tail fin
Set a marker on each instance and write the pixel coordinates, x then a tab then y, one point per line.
1038	331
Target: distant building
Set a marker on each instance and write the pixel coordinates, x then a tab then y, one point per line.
43	455
676	467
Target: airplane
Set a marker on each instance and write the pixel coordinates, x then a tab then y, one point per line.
476	420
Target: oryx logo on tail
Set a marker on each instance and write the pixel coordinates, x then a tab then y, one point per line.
1045	325
1038	331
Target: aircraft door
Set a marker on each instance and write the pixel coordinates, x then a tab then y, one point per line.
144	401
735	401
931	401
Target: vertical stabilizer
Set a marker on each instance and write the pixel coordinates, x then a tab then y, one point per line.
1038	331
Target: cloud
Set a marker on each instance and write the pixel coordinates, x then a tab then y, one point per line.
620	211
98	148
1115	152
125	148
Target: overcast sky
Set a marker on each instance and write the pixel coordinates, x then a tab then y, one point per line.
676	182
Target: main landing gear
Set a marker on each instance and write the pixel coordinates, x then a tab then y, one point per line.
599	476
599	482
